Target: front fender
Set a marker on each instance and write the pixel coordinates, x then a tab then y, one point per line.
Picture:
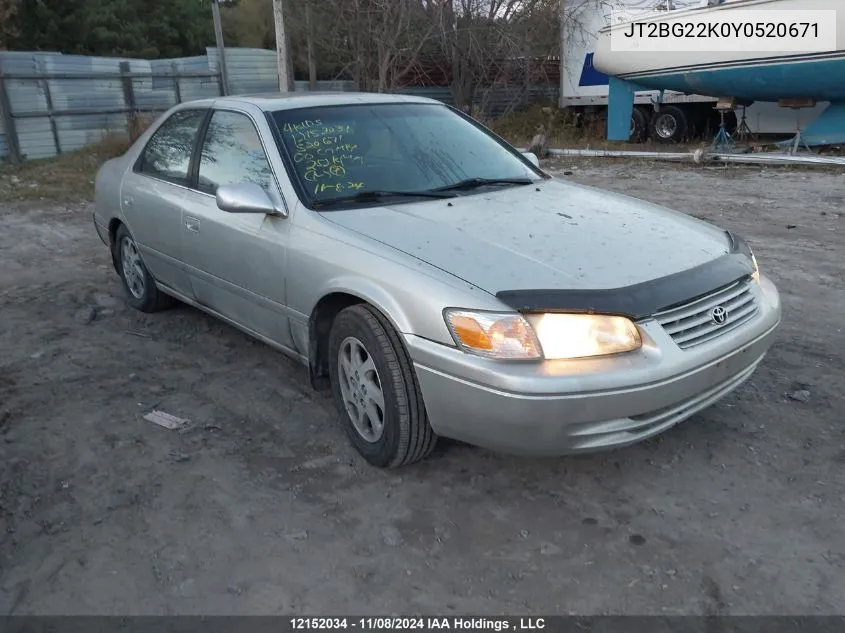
326	261
410	293
373	293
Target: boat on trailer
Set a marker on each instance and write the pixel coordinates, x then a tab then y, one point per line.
793	79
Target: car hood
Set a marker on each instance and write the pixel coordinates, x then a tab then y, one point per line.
550	235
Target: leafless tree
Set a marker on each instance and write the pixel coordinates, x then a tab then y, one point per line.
385	38
481	46
488	42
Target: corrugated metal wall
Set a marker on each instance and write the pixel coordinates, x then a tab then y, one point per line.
12	59
94	84
4	148
88	83
254	70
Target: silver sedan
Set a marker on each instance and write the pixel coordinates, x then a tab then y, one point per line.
434	278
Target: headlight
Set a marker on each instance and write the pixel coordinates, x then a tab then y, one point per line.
583	335
552	336
756	274
494	334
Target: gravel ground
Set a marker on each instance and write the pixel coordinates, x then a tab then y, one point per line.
260	506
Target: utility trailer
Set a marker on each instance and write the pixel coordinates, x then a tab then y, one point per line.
669	119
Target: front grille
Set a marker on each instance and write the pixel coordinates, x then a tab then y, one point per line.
693	323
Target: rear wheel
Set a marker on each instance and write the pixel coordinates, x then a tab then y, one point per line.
375	390
669	125
639	125
142	293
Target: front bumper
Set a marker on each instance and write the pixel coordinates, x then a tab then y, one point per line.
561	407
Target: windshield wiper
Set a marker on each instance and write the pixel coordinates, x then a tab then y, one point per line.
380	196
475	183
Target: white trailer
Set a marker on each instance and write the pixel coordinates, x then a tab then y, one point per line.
585	90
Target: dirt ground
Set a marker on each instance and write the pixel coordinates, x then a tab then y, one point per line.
261	507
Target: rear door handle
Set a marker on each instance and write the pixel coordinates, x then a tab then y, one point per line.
192	224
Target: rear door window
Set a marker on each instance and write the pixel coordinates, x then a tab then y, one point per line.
168	154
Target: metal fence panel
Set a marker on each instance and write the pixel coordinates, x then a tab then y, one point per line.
14	61
441	94
325	86
494	101
61	103
4	146
251	70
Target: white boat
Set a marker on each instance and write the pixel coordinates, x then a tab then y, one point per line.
748	75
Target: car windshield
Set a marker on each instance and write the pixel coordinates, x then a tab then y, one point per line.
393	151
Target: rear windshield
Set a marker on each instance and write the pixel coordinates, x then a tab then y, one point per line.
343	150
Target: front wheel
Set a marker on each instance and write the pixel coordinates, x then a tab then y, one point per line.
375	390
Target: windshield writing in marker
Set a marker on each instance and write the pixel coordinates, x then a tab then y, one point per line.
325	154
339	150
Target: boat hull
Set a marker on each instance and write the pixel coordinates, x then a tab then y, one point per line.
746	75
822	79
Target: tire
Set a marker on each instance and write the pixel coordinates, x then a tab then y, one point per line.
363	341
669	125
639	126
141	291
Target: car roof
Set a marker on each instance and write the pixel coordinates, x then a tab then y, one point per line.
290	100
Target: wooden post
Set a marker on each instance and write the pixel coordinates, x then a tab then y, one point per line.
221	48
177	89
285	83
11	131
562	39
45	85
128	94
128	89
312	63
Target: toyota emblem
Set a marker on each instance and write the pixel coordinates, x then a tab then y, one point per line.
719	315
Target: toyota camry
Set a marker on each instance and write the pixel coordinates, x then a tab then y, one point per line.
432	277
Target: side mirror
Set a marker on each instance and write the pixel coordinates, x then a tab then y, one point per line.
532	158
245	197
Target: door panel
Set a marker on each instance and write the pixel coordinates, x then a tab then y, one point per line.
153	209
236	265
152	195
236	262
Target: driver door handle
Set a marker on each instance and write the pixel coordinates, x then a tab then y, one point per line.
192	224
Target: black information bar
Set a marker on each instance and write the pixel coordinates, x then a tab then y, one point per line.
422	624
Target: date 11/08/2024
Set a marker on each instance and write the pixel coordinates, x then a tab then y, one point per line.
423	624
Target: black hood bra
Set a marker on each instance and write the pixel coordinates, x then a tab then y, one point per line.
644	299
